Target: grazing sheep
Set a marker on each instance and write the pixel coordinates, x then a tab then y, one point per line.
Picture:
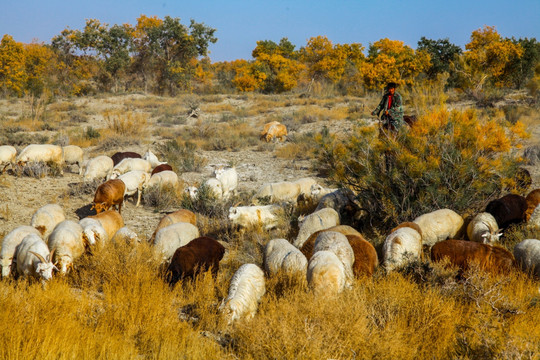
404	244
483	228
305	185
273	130
318	191
246	289
245	216
464	253
152	159
277	192
171	237
8	154
197	256
46	218
9	245
228	178
93	231
326	274
307	247
130	164
111	221
439	225
109	194
67	243
34	259
339	245
41	152
164	178
182	215
134	182
365	256
99	167
281	256
213	185
119	156
527	254
533	200
319	220
160	168
125	234
507	210
73	155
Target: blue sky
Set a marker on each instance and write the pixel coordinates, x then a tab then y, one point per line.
241	23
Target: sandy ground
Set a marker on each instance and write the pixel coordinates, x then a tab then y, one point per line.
20	197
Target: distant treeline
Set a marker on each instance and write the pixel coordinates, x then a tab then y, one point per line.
163	56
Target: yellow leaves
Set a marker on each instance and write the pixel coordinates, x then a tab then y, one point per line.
488	54
12	65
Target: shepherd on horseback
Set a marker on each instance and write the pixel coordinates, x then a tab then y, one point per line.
391	106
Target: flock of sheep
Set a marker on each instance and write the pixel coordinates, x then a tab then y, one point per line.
328	253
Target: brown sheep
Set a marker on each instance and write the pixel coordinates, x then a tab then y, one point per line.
199	255
462	253
365	256
507	210
307	247
111	222
160	168
181	215
273	130
109	194
119	156
533	200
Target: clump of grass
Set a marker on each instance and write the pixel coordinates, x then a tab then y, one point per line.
38	169
127	123
162	197
183	157
83	188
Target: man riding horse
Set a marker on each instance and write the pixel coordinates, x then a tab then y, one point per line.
391	108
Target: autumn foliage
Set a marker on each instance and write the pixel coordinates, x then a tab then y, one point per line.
447	159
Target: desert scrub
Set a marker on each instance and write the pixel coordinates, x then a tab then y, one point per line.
299	146
162	197
182	156
126	123
447	160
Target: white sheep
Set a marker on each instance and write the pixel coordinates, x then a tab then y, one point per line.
135	181
404	244
439	225
527	255
305	185
245	216
246	289
326	274
152	159
130	164
171	237
42	152
93	231
319	220
318	191
213	185
111	221
163	178
8	154
338	244
34	258
9	245
73	155
279	191
68	244
99	167
281	255
483	228
125	235
46	218
228	178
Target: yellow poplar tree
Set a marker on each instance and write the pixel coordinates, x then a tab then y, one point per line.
391	60
12	65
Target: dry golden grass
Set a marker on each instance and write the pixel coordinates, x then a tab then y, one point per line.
126	123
